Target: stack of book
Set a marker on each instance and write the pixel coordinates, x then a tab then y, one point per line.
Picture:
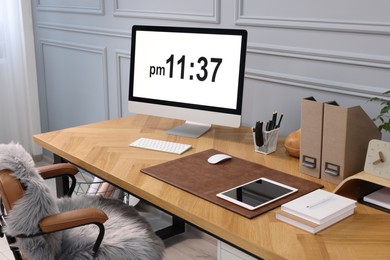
316	210
380	198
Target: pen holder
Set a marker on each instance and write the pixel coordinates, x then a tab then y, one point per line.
270	141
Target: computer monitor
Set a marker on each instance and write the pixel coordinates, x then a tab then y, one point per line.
193	74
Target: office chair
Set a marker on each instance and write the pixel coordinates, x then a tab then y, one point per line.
39	226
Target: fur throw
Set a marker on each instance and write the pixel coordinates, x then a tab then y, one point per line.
127	234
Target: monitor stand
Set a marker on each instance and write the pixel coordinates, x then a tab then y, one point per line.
189	129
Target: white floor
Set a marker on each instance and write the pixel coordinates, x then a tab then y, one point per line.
193	244
186	246
5	252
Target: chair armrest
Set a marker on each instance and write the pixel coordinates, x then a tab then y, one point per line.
60	170
56	170
76	218
71	219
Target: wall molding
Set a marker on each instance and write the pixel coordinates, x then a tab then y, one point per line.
120	54
355	59
102	51
69	7
212	17
309	24
349	58
315	83
85	30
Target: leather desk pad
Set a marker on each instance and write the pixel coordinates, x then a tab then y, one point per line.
195	175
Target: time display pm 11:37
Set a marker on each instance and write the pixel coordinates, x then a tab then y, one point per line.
208	68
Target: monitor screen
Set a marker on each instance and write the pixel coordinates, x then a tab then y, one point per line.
194	74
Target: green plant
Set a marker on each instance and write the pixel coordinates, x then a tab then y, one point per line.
384	116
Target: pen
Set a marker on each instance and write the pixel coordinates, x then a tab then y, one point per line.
268	126
280	120
273	122
316	203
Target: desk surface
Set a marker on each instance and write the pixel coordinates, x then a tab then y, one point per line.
102	148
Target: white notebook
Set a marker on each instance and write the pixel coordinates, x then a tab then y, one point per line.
319	206
380	197
310	226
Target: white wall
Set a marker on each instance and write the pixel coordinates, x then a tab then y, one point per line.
332	50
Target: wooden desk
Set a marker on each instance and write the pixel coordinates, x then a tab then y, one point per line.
102	148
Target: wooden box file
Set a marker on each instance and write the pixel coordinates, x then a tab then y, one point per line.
311	136
345	136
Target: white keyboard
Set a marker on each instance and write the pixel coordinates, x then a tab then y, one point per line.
163	146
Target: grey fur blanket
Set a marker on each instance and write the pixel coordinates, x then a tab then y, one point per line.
127	236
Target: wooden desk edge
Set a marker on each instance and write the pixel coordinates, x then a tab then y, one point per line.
209	227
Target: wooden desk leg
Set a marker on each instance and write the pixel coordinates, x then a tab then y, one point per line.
62	183
177	227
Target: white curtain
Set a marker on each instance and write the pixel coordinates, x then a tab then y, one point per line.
19	107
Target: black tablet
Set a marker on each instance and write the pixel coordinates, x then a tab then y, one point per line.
257	193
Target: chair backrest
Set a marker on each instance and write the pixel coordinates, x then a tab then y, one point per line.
11	190
26	200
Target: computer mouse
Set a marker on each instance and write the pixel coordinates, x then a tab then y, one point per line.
218	158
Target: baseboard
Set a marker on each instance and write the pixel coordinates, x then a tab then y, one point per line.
200	234
42	159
